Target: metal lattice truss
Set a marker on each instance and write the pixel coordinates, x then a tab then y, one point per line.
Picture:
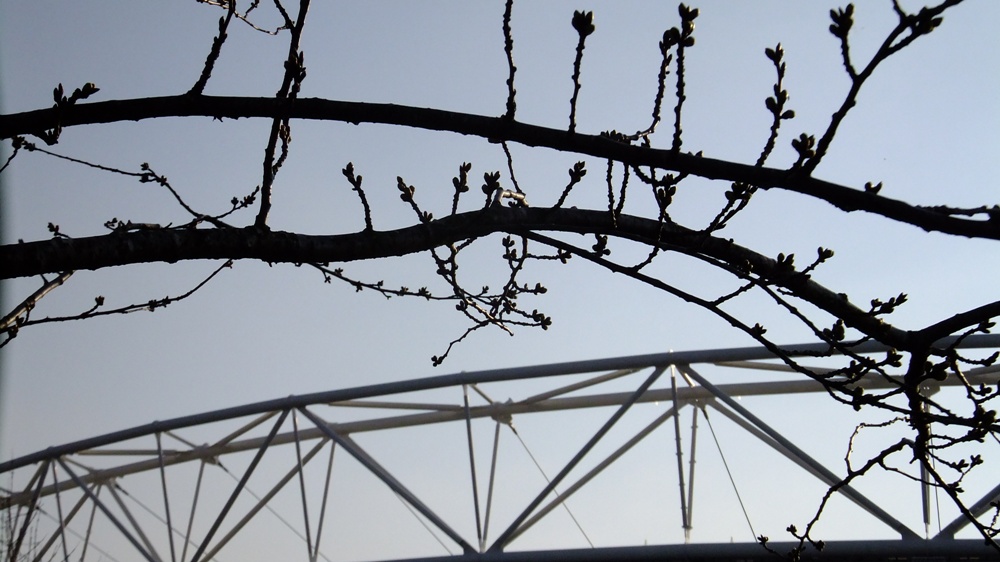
150	491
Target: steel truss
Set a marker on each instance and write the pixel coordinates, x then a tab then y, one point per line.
72	501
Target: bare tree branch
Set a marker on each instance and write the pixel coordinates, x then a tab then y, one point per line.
496	128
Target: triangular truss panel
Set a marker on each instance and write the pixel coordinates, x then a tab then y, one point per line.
687	455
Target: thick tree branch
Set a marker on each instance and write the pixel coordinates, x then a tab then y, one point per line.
961	321
937	425
171	245
496	129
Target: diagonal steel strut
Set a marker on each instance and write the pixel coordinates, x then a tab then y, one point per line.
508	534
379	471
793	451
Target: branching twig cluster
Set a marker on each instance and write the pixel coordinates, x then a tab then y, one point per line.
937	431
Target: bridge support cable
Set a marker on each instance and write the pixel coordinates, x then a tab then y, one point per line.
826	475
107	512
762	437
263	501
586	478
48	517
937	508
505	537
239	488
423	523
559	498
725	464
382	474
113	490
121	490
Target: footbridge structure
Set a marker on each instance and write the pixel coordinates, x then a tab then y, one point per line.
673	456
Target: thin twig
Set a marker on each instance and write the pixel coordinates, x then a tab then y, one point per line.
294	74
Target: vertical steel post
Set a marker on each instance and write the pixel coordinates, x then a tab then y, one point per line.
680	456
472	464
59	512
69	517
262	503
166	500
925	486
561	498
131	519
107	512
90	526
194	505
395	485
239	487
825	474
326	495
39	478
690	502
489	493
506	536
302	484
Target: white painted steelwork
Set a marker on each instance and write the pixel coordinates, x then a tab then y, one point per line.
76	484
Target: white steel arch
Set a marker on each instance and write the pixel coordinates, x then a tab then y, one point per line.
81	500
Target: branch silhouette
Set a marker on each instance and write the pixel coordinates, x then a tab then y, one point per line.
936	428
940	218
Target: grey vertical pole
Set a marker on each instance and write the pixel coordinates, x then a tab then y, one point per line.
194	506
302	485
166	500
680	456
239	486
690	503
489	493
326	495
59	511
472	465
825	474
507	534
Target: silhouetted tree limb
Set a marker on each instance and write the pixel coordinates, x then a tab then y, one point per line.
497	129
935	426
171	245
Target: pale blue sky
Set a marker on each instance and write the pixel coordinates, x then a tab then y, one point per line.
926	126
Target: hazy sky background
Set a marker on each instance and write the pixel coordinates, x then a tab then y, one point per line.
926	126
